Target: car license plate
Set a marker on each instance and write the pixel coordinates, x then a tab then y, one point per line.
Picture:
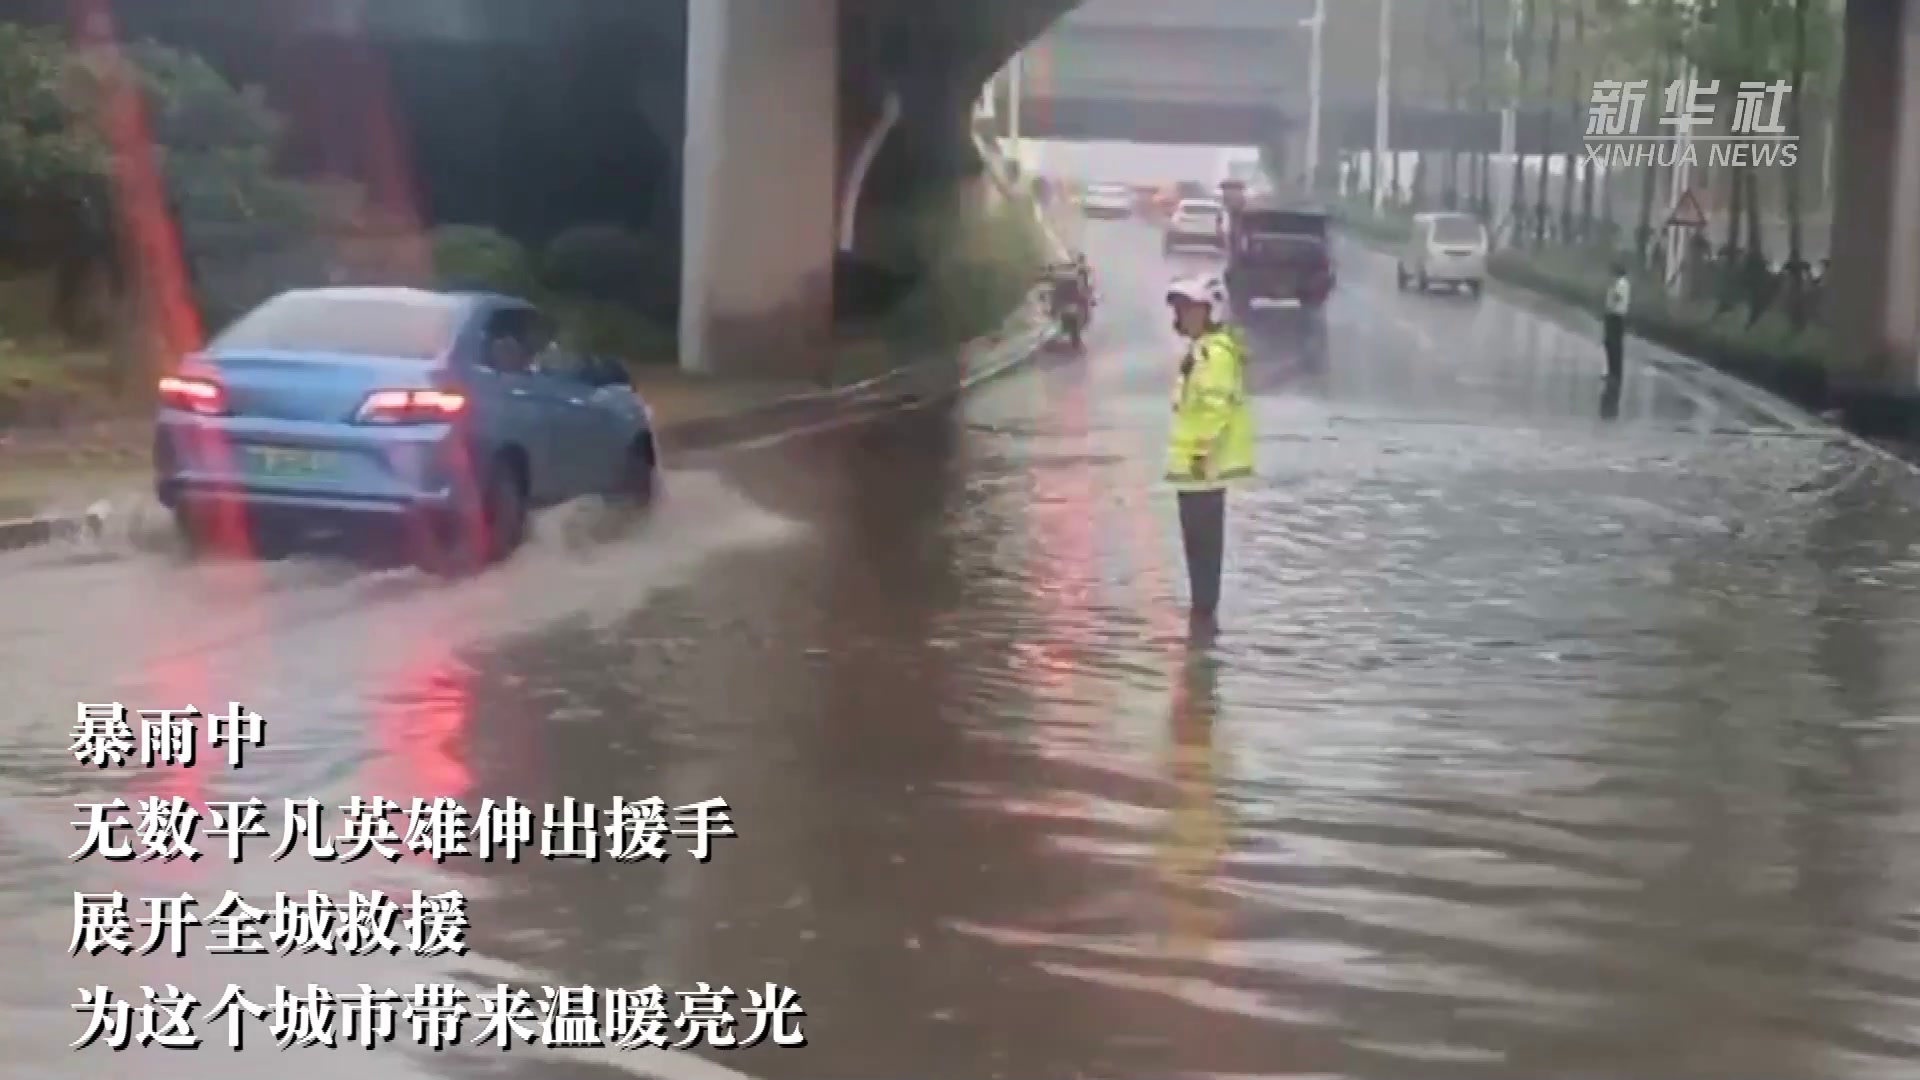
290	463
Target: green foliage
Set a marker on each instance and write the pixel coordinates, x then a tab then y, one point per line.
616	331
991	267
245	231
588	287
608	264
478	257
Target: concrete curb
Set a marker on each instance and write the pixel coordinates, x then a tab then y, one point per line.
911	385
30	532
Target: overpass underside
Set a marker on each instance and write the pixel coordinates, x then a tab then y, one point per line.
802	118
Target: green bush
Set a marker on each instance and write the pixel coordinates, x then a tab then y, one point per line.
477	257
245	230
615	331
609	264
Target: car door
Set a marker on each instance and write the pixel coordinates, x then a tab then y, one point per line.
565	411
597	427
524	415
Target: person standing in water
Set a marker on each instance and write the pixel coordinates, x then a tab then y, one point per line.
1211	444
1614	327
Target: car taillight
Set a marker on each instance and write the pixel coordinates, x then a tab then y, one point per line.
411	407
191	393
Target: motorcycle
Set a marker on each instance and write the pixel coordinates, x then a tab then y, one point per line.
1069	300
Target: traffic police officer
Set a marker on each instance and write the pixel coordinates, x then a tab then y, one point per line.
1211	444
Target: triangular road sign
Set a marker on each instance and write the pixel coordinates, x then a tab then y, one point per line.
1687	214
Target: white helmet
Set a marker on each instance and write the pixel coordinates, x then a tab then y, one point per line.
1202	290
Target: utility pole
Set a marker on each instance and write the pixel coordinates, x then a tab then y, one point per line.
1382	112
1315	91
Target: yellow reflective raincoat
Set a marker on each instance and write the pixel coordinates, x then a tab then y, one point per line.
1212	441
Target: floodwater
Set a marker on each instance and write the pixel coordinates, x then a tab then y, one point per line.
1547	733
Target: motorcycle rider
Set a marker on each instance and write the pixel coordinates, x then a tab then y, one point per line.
1068	301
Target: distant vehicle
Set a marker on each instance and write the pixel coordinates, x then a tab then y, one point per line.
1068	302
1278	254
1444	249
1107	201
359	415
1196	223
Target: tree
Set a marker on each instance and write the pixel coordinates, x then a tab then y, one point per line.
1523	44
56	205
66	142
1551	79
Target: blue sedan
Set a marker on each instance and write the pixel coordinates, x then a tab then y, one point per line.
438	420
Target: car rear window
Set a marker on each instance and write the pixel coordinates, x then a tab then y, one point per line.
1288	249
1282	223
400	328
1456	230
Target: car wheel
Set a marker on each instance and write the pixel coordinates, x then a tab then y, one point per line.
1473	289
207	533
196	540
640	476
1423	283
471	542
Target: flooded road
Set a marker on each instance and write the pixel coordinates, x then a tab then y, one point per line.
1546	734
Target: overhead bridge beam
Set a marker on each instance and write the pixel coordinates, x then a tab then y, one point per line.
1188	123
1346	127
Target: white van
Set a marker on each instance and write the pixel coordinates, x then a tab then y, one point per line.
1445	249
1196	223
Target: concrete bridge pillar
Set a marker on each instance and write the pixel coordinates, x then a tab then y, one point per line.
760	169
1874	290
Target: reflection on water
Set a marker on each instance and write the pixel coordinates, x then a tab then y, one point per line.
1610	400
1197	828
1575	752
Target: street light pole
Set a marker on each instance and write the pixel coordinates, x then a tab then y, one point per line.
1382	137
1315	91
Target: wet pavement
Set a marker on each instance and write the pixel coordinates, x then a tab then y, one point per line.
1546	735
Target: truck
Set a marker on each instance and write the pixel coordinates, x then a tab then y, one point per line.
1278	253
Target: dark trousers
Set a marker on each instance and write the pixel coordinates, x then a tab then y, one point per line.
1615	334
1203	532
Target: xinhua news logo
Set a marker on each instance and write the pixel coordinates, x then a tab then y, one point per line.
1756	136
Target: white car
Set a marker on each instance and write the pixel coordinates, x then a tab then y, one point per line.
1107	201
1196	223
1445	249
